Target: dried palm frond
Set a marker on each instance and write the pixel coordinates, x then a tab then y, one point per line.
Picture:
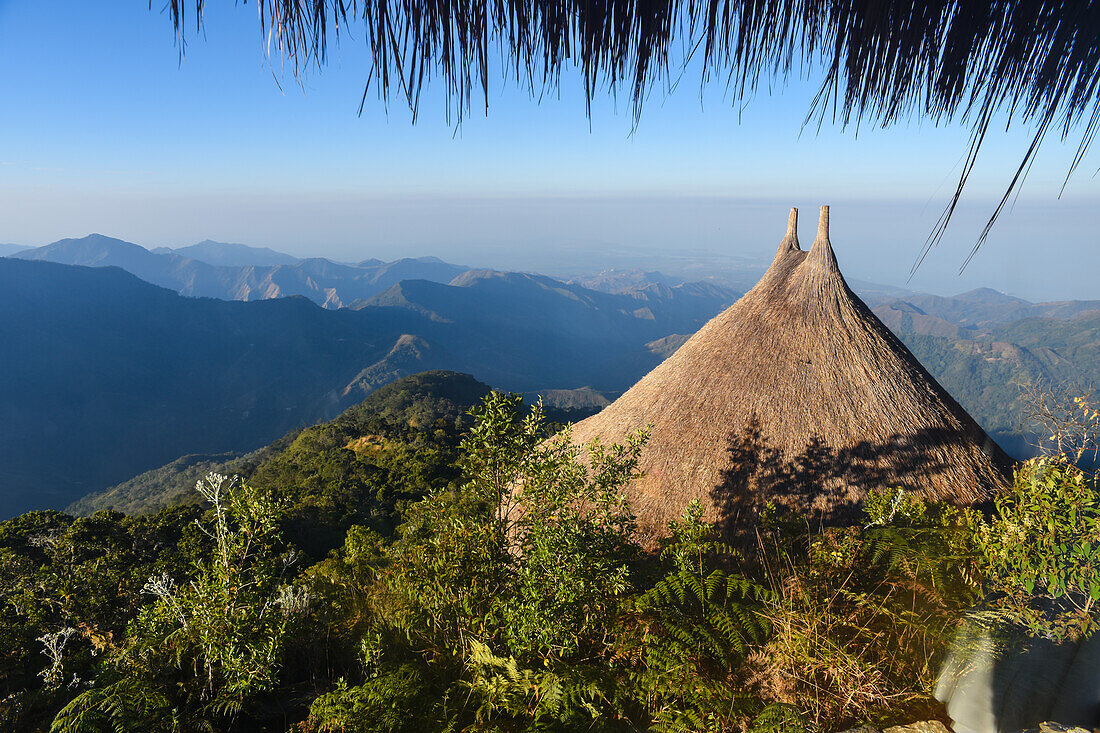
1034	61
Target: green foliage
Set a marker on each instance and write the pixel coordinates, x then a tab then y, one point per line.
505	690
343	602
223	630
370	463
393	701
779	718
571	530
124	705
423	400
80	578
689	632
530	553
1043	550
511	595
931	546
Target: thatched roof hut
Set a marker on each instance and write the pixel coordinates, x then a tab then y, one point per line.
795	394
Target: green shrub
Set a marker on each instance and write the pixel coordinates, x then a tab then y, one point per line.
395	700
205	647
530	555
1042	550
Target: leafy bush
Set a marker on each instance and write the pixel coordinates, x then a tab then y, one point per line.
529	555
222	631
1043	550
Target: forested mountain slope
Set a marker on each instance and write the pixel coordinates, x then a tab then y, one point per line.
106	376
984	356
343	465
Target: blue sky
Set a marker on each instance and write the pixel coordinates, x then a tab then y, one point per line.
103	129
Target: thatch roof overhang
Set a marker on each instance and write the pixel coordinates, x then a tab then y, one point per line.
1035	62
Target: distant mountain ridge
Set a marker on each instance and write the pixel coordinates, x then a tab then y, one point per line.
6	250
531	332
230	254
237	272
498	300
106	376
616	280
984	308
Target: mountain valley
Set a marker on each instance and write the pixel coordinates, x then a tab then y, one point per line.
130	377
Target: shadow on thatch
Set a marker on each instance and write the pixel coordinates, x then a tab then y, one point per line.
798	395
820	481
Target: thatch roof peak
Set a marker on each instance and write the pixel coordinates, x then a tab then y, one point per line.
790	239
821	252
823	227
798	395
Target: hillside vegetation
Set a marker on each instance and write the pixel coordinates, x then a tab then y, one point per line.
983	356
369	577
360	451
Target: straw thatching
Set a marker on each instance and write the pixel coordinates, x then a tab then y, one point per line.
1035	61
797	394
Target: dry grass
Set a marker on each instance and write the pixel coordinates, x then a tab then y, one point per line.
796	394
848	646
366	444
825	662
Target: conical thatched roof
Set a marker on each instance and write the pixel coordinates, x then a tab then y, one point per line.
796	394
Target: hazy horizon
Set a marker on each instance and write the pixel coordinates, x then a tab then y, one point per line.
139	145
874	241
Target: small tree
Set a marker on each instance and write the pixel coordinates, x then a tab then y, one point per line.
531	553
1042	548
521	568
1066	420
570	533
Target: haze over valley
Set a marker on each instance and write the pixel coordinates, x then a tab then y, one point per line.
132	358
